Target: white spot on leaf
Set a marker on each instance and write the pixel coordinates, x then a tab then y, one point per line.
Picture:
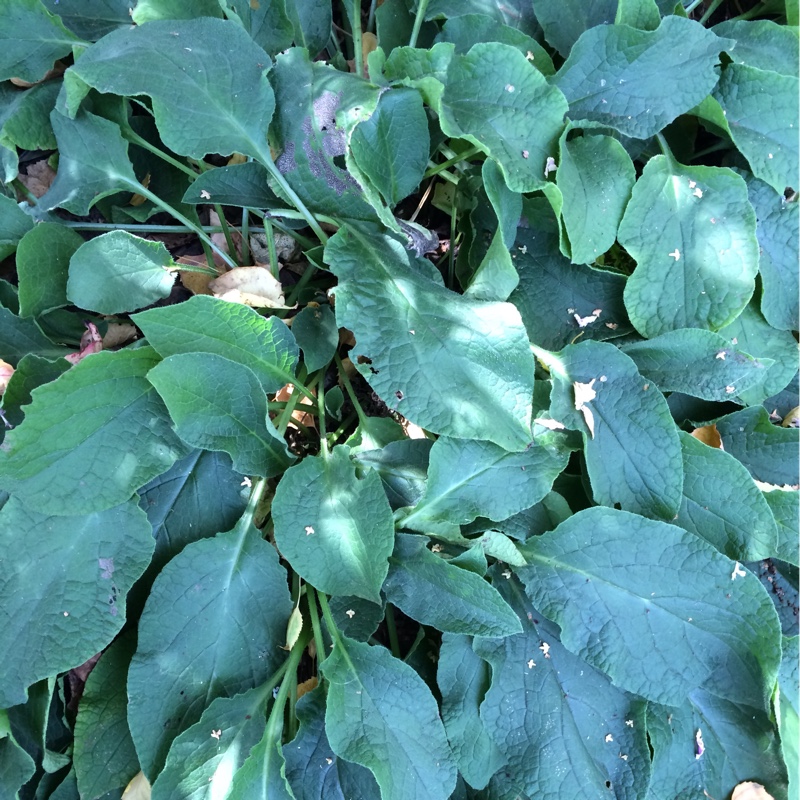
205	194
699	747
676	254
584	393
309	530
216	734
738	572
609	738
350	613
584	321
550	166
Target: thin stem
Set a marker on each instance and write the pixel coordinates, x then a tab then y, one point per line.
473	151
274	266
308	273
225	229
371	17
721	145
111	226
451	262
253	501
288	213
422	7
348	387
328	617
692	6
319	642
246	237
24	190
323	441
278	405
275	722
334	437
666	151
154	198
715	4
391	629
358	55
421	203
134	138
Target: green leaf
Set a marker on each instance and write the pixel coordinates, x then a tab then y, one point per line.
237	185
31	39
467	30
454	366
464	602
271	27
751	332
382	715
557	299
507	205
392	146
93	163
151	10
595	177
21	337
356	618
232	101
637	82
739	744
14	224
212	627
176	502
722	505
119	272
217	404
785	507
421	69
312	23
335	530
65	458
65	589
657	609
104	756
91	19
642	14
402	466
761	109
17	766
208	325
516	13
488	97
691	231
312	768
778	231
769	452
28	124
203	758
699	363
316	333
43	256
31	371
463	679
317	108
633	455
546	708
789	707
469	479
763	44
563	22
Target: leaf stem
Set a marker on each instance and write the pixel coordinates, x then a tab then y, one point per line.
328	617
308	273
473	151
667	152
252	502
274	266
391	629
371	17
154	198
246	259
289	213
422	7
319	642
323	441
348	387
358	54
275	722
715	4
133	137
226	231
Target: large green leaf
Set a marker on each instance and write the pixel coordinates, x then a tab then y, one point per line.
761	109
32	371
119	272
316	333
402	466
421	68
595	178
656	608
739	743
722	504
469	479
785	507
66	458
104	756
212	627
208	325
392	146
317	109
546	708
637	81
699	363
25	116
763	44
769	452
200	765
454	366
312	23
172	60
14	224
464	602
17	766
382	715
91	19
176	503
93	163
270	25
789	708
236	185
65	581
463	678
31	39
558	300
43	256
692	233
217	404
312	768
335	530
563	21
778	232
633	453
20	337
489	97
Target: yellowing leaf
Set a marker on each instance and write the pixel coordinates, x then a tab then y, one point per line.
250	286
6	371
709	435
750	790
293	628
584	394
137	789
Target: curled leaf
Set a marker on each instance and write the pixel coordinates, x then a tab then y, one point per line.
91	342
250	286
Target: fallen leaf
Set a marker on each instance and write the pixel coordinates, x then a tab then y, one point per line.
40	176
282	396
250	286
708	434
583	395
749	790
6	371
118	333
196	282
306	686
792	419
137	789
91	342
